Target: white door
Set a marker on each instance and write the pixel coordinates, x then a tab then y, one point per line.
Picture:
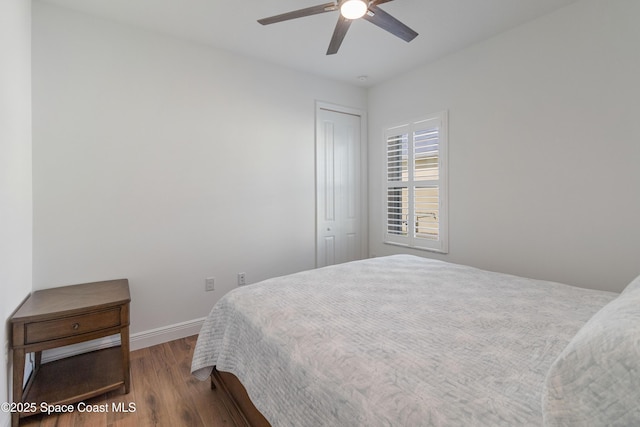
339	235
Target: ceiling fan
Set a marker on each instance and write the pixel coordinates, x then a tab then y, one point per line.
349	11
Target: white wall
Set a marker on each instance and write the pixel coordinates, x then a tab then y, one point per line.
167	162
15	169
544	146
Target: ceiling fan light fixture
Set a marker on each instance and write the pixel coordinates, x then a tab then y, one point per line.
353	9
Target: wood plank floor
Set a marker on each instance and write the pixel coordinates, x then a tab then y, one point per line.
163	392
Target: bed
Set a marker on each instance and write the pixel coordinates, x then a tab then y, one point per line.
409	341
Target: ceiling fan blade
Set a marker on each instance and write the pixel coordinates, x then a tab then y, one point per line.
308	11
382	19
338	34
377	2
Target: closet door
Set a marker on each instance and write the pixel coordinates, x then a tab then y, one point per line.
339	234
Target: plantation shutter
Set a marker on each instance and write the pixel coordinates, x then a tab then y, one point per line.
397	178
415	202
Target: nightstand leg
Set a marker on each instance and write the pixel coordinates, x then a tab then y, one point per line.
18	378
124	342
38	360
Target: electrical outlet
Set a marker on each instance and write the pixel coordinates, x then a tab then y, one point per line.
209	284
241	279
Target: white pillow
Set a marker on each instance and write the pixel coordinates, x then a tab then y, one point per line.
633	286
595	381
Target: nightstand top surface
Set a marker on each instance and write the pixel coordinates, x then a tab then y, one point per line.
67	300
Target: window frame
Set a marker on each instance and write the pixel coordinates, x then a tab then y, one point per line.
409	239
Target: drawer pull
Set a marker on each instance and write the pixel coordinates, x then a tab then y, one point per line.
76	326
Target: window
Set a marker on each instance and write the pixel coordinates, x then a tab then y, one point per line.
416	184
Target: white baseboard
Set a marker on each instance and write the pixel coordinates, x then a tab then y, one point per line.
136	341
165	334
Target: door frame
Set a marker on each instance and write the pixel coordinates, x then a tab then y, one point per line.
364	188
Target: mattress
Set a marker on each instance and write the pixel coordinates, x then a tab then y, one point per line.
394	341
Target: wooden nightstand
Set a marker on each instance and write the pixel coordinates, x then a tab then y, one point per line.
67	315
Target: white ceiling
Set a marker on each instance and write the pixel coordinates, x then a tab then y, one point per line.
444	27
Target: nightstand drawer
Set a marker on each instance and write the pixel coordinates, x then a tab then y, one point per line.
70	326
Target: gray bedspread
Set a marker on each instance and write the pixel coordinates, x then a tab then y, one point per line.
394	341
